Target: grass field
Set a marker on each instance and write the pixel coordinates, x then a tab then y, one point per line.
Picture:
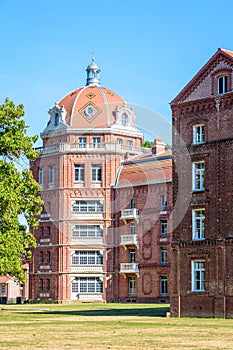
108	326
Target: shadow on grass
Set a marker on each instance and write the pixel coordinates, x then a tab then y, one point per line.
144	312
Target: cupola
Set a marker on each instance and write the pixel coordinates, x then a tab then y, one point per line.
93	74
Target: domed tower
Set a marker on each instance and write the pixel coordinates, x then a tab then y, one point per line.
90	131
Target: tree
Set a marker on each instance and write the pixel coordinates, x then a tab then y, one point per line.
147	144
18	191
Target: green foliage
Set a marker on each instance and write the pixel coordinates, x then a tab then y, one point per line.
18	191
147	144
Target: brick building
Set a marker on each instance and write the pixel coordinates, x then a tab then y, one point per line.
142	206
90	131
202	244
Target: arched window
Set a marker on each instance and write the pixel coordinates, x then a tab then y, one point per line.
56	119
124	119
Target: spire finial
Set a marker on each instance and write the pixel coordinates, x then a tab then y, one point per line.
93	55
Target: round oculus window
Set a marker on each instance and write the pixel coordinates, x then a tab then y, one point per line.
89	110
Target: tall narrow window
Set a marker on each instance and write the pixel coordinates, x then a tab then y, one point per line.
198	276
163	227
79	172
48	207
41	231
41	257
41	176
163	285
198	176
222	84
96	171
198	224
48	230
163	201
163	255
51	174
132	255
96	142
132	228
41	284
48	257
48	284
132	203
56	119
198	134
132	286
124	119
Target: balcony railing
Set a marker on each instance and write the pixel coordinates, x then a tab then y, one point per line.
87	268
130	214
87	240
129	240
88	296
129	268
92	147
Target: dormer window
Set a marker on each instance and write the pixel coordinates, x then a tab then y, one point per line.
222	84
124	119
56	119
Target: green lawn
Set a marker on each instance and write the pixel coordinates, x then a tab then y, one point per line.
108	326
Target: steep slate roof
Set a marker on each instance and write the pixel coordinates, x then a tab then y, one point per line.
220	52
153	169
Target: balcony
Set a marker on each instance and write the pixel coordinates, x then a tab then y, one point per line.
130	214
64	147
129	240
129	268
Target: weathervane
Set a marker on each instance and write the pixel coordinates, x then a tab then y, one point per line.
93	54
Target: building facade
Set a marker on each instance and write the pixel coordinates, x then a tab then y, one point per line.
90	132
202	243
142	228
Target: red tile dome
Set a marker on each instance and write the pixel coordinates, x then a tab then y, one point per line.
91	106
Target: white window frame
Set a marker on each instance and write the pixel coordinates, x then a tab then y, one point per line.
222	84
198	176
198	275
87	285
86	257
41	176
92	206
198	224
163	281
82	142
132	228
96	142
198	134
87	231
132	285
79	172
96	172
51	174
164	201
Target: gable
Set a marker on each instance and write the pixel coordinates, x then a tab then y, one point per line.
202	84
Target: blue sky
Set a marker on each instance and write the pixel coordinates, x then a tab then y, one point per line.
147	50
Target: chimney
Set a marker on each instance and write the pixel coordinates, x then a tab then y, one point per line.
158	147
